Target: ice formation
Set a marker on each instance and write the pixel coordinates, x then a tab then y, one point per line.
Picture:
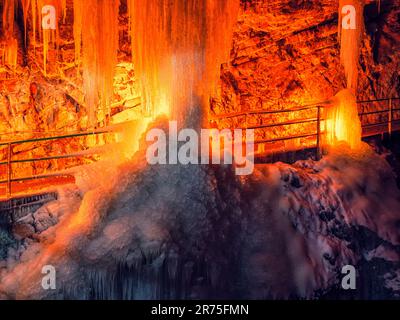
343	124
178	48
201	232
49	38
11	52
25	9
350	41
99	53
137	231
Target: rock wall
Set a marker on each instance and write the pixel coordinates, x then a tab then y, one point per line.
286	54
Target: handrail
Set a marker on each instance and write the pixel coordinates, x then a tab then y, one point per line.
298	109
376	112
34	177
299	136
253	112
378	100
63	156
286	123
319	118
9	162
71	135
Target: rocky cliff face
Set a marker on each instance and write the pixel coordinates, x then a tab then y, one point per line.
286	54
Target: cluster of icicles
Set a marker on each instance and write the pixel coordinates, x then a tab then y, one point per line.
96	45
177	47
178	50
40	36
343	123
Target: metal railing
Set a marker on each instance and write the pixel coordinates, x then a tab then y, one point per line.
10	161
388	126
369	129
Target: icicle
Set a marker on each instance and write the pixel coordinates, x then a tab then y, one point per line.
11	51
9	9
34	22
178	48
99	50
350	42
343	123
64	9
78	16
48	37
25	7
46	40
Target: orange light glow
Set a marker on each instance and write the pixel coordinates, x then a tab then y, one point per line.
178	48
343	123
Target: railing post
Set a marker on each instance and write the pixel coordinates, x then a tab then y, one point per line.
390	121
9	170
318	155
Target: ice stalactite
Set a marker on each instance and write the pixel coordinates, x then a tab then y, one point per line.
78	17
178	48
11	51
48	38
25	8
9	8
34	22
350	38
64	9
99	53
343	123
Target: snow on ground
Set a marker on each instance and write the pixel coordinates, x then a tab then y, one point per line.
176	231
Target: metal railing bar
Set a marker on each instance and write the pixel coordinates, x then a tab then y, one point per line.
44	176
74	135
64	156
281	111
379	123
318	144
372	112
302	108
378	100
24	205
253	112
109	128
376	112
242	114
286	138
287	123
